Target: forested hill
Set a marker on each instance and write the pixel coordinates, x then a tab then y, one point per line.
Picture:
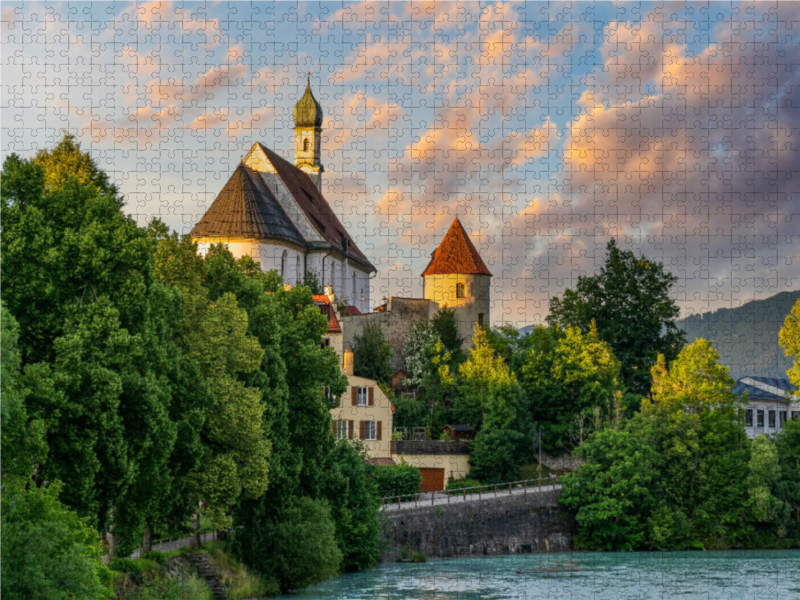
746	337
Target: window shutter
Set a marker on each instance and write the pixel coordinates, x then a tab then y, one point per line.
354	395
378	435
350	429
371	398
362	430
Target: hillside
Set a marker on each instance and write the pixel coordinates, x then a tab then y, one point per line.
746	337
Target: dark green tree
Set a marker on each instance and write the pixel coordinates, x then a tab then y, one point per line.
372	353
629	300
348	484
445	326
95	335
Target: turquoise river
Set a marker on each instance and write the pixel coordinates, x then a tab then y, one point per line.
730	575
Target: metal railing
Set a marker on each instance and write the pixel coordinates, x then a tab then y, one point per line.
506	488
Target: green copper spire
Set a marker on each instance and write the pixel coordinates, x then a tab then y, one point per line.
308	112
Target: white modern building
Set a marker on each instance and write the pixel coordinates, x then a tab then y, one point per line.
770	402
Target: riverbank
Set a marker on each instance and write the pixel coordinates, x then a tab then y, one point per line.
713	575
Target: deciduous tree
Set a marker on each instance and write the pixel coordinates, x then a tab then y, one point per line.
629	300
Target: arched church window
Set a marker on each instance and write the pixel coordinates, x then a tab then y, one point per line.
284	264
298	275
361	308
305	145
354	288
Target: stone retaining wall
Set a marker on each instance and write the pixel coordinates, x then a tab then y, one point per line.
519	524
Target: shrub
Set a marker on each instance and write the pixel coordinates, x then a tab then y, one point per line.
155	556
397	480
460	484
297	548
419	557
47	551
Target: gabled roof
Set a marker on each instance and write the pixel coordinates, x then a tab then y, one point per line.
351	310
783	384
316	208
247	208
465	428
324	304
456	255
756	393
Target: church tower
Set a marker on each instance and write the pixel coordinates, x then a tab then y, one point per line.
457	277
308	135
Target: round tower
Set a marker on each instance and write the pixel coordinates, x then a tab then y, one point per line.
308	135
457	277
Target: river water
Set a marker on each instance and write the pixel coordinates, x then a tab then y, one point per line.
730	575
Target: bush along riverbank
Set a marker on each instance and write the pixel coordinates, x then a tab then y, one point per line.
681	474
188	574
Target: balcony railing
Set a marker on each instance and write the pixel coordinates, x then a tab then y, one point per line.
429	447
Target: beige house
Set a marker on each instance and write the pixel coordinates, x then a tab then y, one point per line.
364	413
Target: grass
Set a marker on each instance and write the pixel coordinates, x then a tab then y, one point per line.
143	579
239	581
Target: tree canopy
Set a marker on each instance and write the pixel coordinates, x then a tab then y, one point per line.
629	301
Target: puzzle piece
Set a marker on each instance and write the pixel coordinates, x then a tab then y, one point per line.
477	156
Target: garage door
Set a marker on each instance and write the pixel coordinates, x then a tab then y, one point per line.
432	480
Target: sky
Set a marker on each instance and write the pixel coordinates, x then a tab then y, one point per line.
547	128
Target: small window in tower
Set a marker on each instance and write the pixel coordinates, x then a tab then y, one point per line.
480	319
459	290
305	145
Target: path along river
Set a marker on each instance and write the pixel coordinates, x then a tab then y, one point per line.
730	575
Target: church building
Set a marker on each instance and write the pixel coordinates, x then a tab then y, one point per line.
274	211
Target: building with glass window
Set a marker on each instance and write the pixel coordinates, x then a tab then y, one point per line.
768	403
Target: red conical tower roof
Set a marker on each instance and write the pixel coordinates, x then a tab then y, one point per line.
456	255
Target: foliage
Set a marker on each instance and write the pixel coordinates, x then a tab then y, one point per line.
496	454
419	347
311	281
66	161
372	353
789	338
348	483
155	586
48	552
299	547
757	321
460	484
445	326
681	473
489	399
22	442
95	333
629	300
397	480
568	378
239	581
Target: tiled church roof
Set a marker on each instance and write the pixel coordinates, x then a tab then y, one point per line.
314	205
247	208
456	255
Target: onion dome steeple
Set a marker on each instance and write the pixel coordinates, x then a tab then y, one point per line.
308	136
308	112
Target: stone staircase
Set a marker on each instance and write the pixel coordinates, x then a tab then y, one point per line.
206	571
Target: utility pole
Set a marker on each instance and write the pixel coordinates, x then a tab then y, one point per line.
540	451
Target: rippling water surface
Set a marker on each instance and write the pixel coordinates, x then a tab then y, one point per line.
579	576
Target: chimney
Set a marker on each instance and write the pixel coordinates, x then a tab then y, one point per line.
348	363
329	293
